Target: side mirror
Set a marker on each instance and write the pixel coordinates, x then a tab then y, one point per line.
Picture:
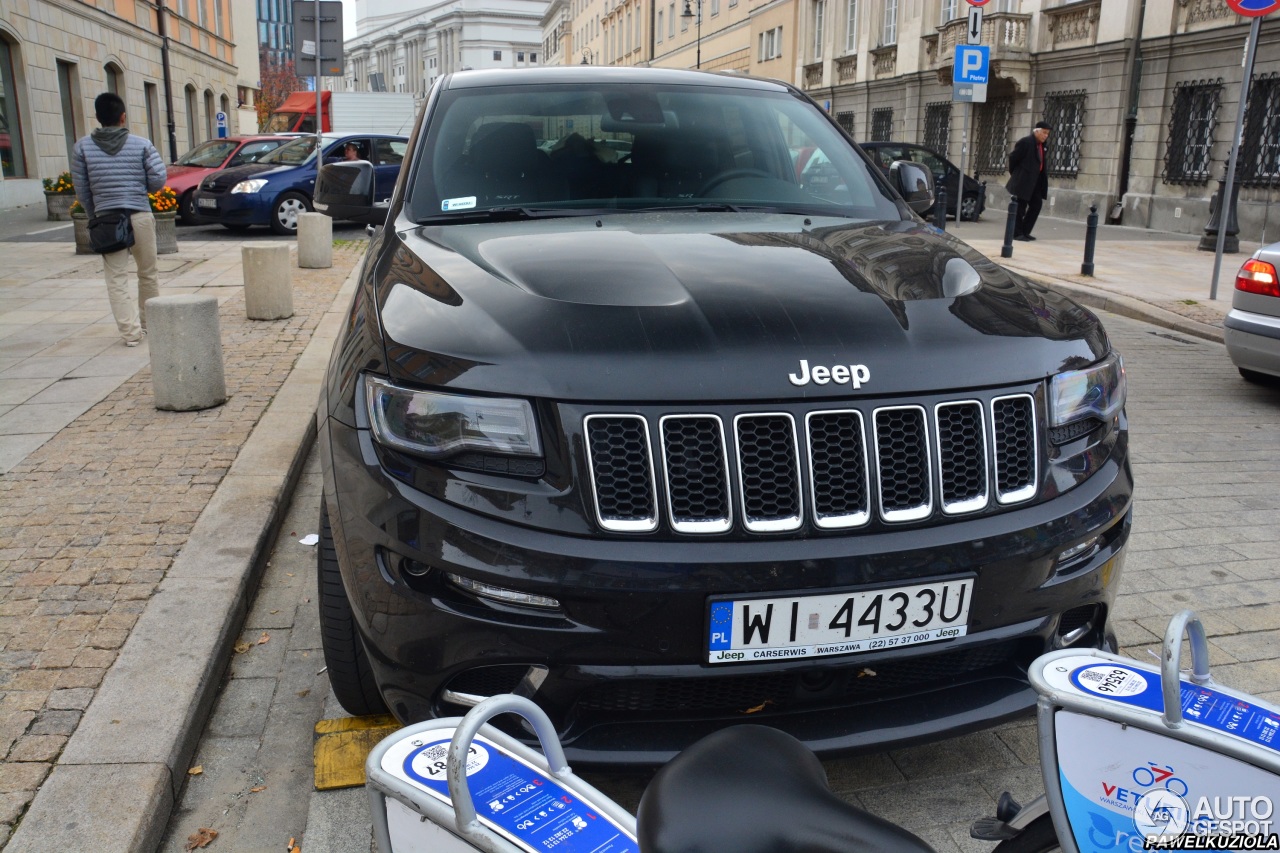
345	190
915	183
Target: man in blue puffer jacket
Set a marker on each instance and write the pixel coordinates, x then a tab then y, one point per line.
114	170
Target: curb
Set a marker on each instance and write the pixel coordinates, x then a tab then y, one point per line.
117	781
1128	306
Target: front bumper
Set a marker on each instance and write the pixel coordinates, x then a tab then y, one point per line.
233	209
619	667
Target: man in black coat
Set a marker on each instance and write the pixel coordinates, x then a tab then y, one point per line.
1028	181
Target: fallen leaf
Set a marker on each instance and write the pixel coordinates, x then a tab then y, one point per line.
290	574
274	612
264	638
759	707
196	771
241	648
256	788
201	838
302	694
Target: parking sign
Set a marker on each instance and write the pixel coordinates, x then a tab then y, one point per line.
969	76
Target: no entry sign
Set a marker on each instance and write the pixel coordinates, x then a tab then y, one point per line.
1250	8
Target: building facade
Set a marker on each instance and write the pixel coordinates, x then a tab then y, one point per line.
1143	126
56	56
407	54
275	30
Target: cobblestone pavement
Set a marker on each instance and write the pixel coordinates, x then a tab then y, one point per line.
91	521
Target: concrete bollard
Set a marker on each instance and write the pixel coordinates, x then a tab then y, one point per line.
315	241
186	352
268	281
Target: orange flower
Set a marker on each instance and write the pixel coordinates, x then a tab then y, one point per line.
163	200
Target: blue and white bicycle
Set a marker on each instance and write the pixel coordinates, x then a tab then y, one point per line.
1133	756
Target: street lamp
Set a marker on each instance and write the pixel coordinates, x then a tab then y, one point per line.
688	13
586	56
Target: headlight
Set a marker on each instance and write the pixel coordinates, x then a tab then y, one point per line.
434	424
1097	391
250	186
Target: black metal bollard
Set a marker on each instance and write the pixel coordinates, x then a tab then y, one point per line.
940	209
1006	251
1090	238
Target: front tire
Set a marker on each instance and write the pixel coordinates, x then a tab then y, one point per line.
1038	837
187	208
285	212
348	665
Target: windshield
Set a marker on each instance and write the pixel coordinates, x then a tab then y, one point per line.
560	149
208	155
295	153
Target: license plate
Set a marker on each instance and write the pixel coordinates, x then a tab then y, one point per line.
838	623
207	202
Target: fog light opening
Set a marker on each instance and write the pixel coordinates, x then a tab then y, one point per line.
414	568
1075	624
1077	552
502	594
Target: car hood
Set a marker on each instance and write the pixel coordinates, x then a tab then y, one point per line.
184	177
228	178
709	306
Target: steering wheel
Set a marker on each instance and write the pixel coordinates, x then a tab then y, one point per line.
728	175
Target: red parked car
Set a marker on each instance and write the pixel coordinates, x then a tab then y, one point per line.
208	157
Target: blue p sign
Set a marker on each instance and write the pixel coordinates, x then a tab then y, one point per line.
972	62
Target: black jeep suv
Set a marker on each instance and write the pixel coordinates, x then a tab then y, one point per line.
627	418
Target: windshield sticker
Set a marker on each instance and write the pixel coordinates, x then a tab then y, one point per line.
464	203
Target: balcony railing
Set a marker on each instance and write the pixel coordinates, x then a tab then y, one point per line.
813	75
847	69
1006	33
1073	25
884	61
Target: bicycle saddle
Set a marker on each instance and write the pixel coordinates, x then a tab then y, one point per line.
753	789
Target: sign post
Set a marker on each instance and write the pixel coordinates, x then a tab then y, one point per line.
222	124
323	56
1252	9
969	85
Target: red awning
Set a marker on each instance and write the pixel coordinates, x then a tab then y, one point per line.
302	102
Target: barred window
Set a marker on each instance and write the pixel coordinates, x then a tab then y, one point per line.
937	126
1188	153
882	124
1259	159
845	120
1065	112
992	121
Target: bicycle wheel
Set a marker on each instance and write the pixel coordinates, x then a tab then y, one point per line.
1038	837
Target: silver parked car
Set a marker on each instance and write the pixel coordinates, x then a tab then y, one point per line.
1252	328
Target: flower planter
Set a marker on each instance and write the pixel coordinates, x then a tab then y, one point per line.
81	223
58	206
166	232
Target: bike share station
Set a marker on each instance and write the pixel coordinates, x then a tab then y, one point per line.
1128	751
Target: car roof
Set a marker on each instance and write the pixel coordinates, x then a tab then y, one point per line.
581	74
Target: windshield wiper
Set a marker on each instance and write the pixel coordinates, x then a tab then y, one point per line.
507	214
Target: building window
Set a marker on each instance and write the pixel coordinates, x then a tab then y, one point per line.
684	23
851	26
715	8
1259	160
991	156
671	21
882	124
660	30
519	56
949	11
937	126
533	58
208	115
1191	124
497	56
13	162
770	44
819	16
1065	112
889	28
845	120
115	79
191	116
217	16
152	98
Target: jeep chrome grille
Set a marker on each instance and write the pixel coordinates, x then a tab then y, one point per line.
900	463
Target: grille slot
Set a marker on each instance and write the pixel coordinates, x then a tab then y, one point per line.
697	473
622	471
902	462
1013	422
768	472
838	483
962	456
888	463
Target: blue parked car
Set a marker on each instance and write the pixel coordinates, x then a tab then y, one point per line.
276	188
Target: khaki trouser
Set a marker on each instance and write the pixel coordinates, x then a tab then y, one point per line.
131	316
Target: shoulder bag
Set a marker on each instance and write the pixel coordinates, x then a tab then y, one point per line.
110	231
